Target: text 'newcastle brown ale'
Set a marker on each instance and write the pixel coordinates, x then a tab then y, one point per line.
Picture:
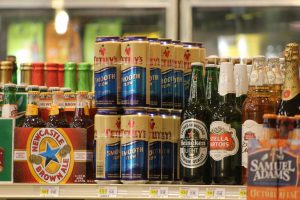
194	133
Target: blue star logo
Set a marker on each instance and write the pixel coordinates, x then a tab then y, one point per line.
50	154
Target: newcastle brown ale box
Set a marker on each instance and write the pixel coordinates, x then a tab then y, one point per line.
273	169
53	155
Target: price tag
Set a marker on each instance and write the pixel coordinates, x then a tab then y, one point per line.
158	192
220	193
108	192
49	191
188	193
243	193
210	193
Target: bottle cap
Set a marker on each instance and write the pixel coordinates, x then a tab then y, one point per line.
70	66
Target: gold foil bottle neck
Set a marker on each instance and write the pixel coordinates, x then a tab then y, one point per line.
291	52
6	64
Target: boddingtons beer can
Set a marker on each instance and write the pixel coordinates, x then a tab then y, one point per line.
167	73
178	75
155	147
107	71
155	72
107	145
176	138
135	72
134	146
191	54
167	137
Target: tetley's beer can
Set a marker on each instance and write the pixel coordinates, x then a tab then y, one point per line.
107	71
155	72
134	146
107	145
191	54
155	128
135	77
167	73
178	75
167	146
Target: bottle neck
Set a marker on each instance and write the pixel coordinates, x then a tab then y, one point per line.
228	99
212	84
32	105
81	105
291	87
197	91
9	97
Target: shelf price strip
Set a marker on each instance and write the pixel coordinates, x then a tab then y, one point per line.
215	193
108	192
188	193
243	193
158	192
49	191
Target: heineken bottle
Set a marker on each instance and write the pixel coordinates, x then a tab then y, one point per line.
194	133
9	108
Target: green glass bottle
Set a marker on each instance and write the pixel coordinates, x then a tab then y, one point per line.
225	132
194	133
70	79
211	82
21	97
12	59
9	108
84	77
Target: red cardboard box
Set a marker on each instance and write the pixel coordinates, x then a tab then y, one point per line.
53	155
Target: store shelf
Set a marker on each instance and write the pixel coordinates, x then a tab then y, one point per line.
122	191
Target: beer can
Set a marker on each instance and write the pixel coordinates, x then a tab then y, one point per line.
155	72
191	54
167	73
1	159
107	71
135	76
155	128
134	146
176	130
178	75
167	138
107	145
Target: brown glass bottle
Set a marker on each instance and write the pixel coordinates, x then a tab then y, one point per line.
80	120
57	115
269	127
92	105
225	132
32	118
290	103
285	127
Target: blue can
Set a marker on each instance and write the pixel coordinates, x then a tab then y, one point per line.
135	75
167	138
178	75
155	146
107	55
167	73
107	145
155	72
134	146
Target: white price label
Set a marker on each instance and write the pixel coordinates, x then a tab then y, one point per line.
188	193
243	193
158	192
220	193
49	191
107	192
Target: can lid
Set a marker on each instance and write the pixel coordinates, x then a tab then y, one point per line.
84	66
107	38
70	66
153	39
200	44
134	38
51	66
152	110
38	66
134	111
6	65
189	44
165	40
108	111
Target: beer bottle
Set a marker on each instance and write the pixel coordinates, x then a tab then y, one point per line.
43	89
235	60
285	127
70	76
269	127
80	120
1	98
9	108
241	84
274	87
225	132
92	105
32	118
6	68
211	82
282	67
194	135
248	62
70	105
290	103
83	83
12	59
57	116
32	88
25	69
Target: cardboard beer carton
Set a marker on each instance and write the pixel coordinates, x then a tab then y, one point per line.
6	150
53	155
273	169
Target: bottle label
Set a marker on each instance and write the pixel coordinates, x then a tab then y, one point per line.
223	140
250	130
54	110
31	110
9	110
193	143
291	86
155	87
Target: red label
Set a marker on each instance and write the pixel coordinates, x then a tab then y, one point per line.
222	141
